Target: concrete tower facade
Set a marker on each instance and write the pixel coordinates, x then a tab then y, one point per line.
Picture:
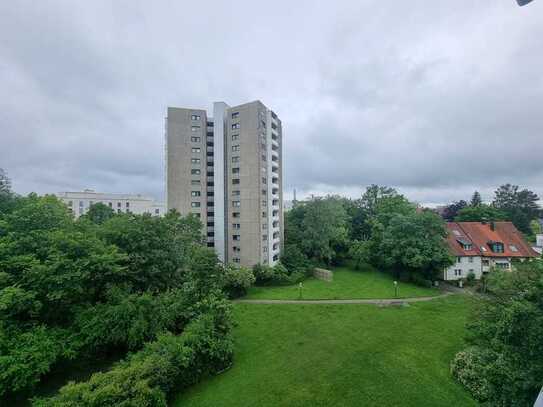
233	181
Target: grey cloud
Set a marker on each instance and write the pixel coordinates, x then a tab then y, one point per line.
434	98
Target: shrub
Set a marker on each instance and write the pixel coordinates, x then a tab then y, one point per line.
468	367
359	252
295	261
420	280
276	275
145	378
470	278
237	280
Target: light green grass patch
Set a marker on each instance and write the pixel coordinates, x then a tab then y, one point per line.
341	355
347	284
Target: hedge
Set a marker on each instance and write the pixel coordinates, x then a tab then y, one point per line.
147	377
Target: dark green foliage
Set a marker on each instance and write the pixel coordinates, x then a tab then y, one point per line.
319	228
505	334
476	199
276	275
452	210
295	261
237	280
156	249
26	354
415	243
98	213
147	377
520	206
73	289
480	213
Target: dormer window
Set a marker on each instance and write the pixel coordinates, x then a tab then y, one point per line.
466	244
496	247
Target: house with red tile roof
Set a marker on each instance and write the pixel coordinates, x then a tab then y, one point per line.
480	246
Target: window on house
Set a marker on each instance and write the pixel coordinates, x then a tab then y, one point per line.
235	181
235	193
195	193
195	172
118	204
236	204
513	248
264	180
264	237
235	170
195	128
236	249
236	260
459	259
235	126
128	205
195	204
110	204
157	211
235	115
195	139
235	137
235	159
235	148
470	259
236	225
196	150
195	160
195	182
195	117
236	237
485	262
235	214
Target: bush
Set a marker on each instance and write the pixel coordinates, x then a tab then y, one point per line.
420	281
468	367
359	252
470	278
295	261
276	275
237	280
145	378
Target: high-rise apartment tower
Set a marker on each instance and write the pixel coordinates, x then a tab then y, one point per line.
227	170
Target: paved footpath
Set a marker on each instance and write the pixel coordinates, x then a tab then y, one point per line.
384	301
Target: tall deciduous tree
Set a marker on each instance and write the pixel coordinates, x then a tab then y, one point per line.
480	213
504	365
521	206
415	243
452	210
476	199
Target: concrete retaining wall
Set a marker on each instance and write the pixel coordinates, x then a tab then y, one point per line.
323	274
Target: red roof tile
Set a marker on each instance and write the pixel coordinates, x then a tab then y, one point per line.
480	234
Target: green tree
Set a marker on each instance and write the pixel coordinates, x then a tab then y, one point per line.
5	182
480	213
324	227
98	213
157	249
476	199
506	351
521	206
452	210
415	243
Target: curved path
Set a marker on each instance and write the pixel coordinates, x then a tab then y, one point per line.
383	301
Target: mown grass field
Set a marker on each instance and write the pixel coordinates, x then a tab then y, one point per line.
347	284
340	355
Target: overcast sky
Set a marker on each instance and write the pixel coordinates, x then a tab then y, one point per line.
436	98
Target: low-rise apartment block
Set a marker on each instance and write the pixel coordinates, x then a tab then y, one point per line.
80	202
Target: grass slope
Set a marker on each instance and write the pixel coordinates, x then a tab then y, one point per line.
340	355
347	284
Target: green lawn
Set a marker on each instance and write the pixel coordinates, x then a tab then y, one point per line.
340	355
347	284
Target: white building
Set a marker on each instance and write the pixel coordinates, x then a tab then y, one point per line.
80	202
